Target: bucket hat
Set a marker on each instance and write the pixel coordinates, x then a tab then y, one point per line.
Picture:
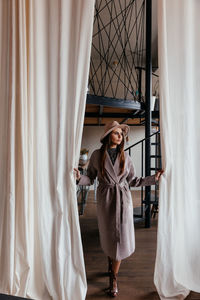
113	125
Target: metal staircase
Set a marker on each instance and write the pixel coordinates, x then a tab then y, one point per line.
155	165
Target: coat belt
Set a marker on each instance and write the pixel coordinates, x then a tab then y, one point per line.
121	204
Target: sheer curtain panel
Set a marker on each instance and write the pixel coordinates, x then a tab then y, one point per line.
177	269
44	58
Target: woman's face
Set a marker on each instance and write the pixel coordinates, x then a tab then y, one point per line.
116	137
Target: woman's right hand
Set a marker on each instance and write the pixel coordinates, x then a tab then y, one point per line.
158	174
77	173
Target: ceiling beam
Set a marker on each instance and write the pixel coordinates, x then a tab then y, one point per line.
112	102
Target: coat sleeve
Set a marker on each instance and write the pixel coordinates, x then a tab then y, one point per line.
138	181
91	173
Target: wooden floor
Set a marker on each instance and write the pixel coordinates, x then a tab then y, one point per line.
136	272
7	297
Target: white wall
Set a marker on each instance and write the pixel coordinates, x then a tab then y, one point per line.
92	134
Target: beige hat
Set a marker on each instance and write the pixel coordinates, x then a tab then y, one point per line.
111	126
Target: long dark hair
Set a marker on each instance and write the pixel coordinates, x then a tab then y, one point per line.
106	144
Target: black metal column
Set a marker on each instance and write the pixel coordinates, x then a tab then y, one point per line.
140	85
148	92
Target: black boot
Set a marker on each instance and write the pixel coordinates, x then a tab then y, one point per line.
113	289
109	265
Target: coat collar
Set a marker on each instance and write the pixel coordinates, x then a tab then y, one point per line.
112	169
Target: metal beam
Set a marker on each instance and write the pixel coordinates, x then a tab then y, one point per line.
155	115
144	69
112	102
110	115
148	93
124	120
100	113
140	84
102	124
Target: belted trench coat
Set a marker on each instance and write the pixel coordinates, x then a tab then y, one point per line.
114	203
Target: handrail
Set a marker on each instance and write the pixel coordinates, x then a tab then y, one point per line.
142	140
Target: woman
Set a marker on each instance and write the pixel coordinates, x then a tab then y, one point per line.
115	172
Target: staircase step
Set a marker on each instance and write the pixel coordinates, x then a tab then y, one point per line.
155	156
154	169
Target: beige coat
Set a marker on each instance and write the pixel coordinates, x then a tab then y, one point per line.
114	204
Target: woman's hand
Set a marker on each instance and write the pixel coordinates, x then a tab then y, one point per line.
77	173
158	174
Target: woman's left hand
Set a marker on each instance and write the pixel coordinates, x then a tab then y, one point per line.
158	174
77	173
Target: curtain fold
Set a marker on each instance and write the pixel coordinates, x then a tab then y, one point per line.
44	57
177	260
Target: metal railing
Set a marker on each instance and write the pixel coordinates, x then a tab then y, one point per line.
82	194
157	166
82	191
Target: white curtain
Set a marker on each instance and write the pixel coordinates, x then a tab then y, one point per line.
177	269
44	65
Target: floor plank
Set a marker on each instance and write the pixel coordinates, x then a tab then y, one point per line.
8	297
136	272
